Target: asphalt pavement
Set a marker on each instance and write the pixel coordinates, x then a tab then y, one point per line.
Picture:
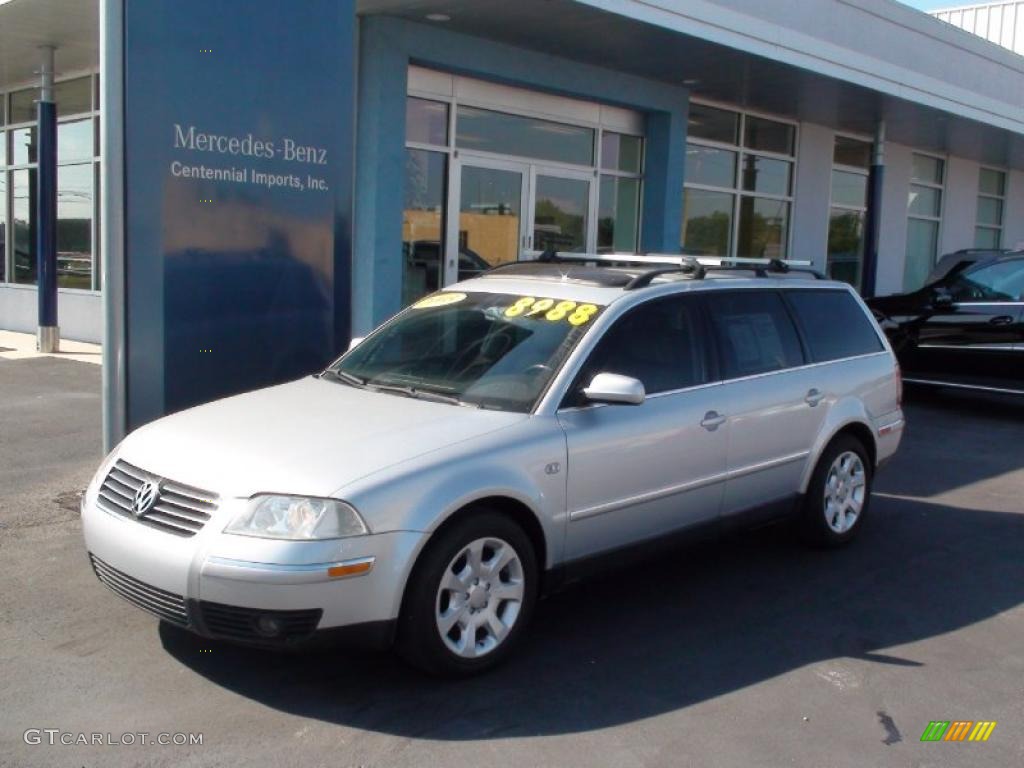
751	651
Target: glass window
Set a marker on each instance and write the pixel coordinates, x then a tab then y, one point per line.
74	141
713	124
988	237
489	349
618	215
833	325
3	226
73	96
658	343
927	169
768	135
990	211
845	245
560	214
23	224
754	333
766	175
710	165
850	189
488	131
423	223
924	201
763	228
852	152
23	146
707	222
620	152
3	109
426	122
74	226
23	105
1003	281
922	246
992	182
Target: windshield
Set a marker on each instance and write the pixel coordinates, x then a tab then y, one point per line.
491	350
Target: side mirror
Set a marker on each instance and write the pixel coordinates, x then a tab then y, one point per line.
941	297
356	341
614	388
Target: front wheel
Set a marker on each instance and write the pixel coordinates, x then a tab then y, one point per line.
838	495
470	596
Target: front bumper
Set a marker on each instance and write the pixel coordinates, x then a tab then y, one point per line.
253	590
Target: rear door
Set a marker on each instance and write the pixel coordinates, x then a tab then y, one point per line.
975	341
639	471
773	403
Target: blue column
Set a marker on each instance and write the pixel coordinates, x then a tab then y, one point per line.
48	339
663	181
873	217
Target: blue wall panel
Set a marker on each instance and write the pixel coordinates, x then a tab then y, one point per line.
238	126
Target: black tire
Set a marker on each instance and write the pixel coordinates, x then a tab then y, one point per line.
813	523
419	640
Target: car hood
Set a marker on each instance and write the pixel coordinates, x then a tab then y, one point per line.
308	437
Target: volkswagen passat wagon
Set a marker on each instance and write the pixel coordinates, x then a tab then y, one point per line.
426	487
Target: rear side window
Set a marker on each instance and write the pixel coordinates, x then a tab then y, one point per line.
833	324
754	331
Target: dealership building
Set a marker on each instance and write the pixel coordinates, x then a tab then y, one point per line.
448	136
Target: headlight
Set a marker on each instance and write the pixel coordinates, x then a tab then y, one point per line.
297	518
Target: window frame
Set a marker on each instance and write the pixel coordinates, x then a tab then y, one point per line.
937	220
8	167
846	207
1001	199
736	190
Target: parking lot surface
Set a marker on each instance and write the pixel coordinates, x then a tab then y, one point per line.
751	651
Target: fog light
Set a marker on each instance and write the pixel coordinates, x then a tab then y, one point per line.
269	626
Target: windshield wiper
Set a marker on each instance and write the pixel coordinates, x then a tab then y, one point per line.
420	394
348	378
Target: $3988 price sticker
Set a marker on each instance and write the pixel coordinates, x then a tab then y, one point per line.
551	310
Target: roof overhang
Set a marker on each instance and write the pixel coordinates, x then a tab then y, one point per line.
71	26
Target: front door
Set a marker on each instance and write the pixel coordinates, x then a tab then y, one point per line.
562	202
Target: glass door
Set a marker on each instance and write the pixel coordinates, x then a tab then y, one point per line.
490	228
562	206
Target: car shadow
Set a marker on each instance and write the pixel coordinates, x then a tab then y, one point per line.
666	634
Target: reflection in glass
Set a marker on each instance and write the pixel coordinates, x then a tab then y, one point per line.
845	246
618	214
423	223
620	152
73	96
710	166
707	222
991	182
560	214
426	122
763	228
766	175
74	141
990	211
74	226
23	146
713	124
987	237
768	135
488	131
849	189
922	245
23	223
490	212
924	201
852	152
926	169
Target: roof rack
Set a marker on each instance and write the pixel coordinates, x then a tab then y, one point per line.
694	267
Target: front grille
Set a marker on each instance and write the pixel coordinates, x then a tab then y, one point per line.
240	623
179	509
166	605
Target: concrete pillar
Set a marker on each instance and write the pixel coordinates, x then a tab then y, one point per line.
48	337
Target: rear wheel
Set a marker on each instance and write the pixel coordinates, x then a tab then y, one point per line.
838	495
470	596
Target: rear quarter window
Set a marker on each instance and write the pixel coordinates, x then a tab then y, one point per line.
833	324
754	331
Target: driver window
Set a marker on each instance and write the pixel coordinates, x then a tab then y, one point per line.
1003	281
659	343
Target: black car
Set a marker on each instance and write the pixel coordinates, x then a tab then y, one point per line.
965	328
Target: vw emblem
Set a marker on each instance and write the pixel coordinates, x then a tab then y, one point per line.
145	498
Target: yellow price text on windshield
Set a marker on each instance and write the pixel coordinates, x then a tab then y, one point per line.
551	310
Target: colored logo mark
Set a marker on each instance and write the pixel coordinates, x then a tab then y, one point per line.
958	730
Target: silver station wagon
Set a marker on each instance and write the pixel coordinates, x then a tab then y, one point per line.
491	439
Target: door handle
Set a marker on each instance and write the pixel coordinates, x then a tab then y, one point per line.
712	420
814	397
1001	320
